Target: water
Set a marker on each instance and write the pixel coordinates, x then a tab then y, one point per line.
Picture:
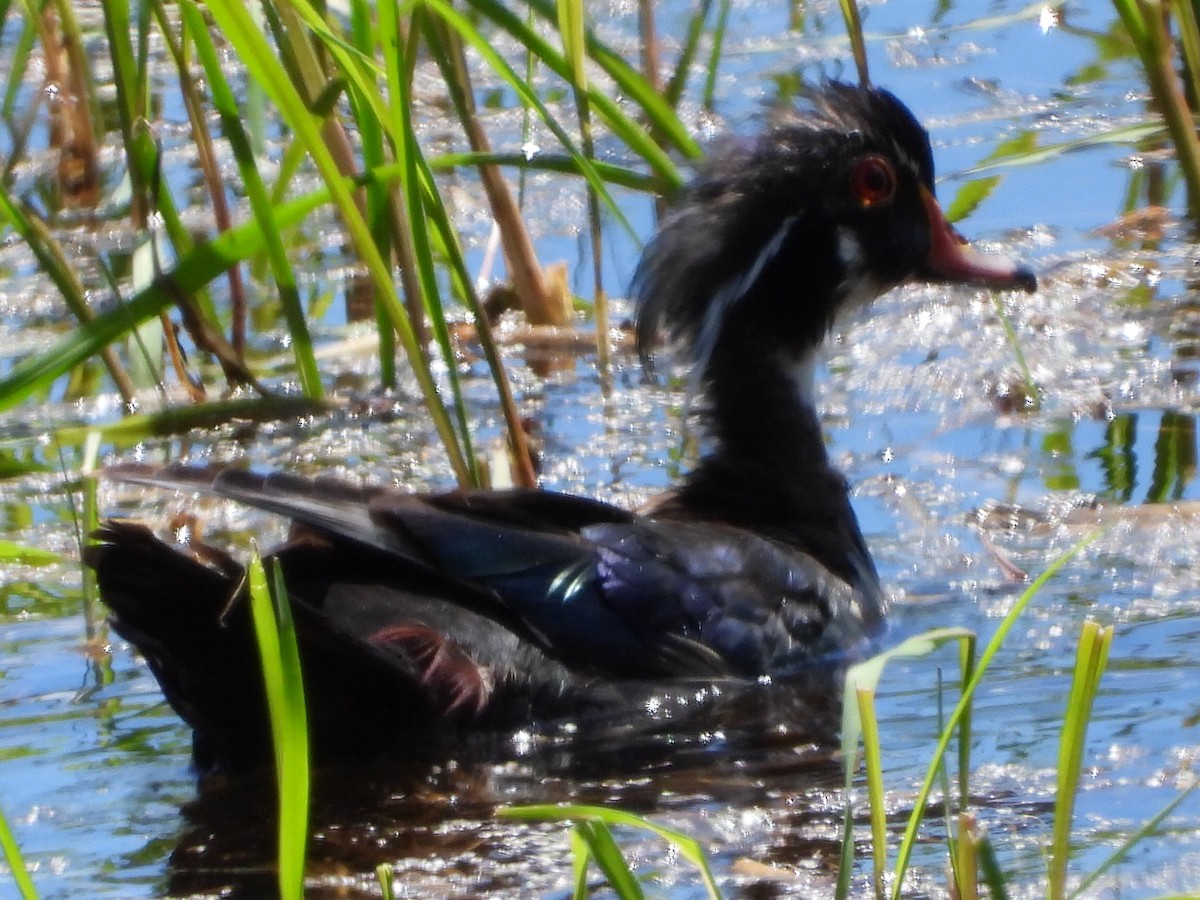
948	478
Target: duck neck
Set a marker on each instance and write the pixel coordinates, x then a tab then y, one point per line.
768	469
761	418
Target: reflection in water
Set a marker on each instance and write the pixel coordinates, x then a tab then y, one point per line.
755	752
1173	457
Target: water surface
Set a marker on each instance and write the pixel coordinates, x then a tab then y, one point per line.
951	475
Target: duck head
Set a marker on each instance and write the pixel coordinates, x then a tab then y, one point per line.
830	206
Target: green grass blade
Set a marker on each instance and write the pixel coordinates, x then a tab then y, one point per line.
966	201
471	35
1014	341
908	842
965	870
687	54
384	873
261	64
571	30
957	855
422	202
846	857
610	173
390	221
225	103
989	866
204	263
12	466
973	192
966	666
631	84
53	263
172	421
688	846
17	64
1133	19
1134	839
199	267
571	27
1188	30
439	217
275	632
366	37
16	862
23	555
175	37
866	676
715	55
89	588
1028	153
1149	27
581	855
359	69
604	850
876	800
1090	661
858	47
130	97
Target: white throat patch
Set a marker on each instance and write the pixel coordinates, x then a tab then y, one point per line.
857	287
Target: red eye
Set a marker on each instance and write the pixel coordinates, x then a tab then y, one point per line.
872	180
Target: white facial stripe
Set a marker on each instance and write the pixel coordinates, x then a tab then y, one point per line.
726	296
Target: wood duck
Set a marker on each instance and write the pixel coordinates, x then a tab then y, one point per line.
429	617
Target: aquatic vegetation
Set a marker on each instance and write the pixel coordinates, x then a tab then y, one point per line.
193	302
